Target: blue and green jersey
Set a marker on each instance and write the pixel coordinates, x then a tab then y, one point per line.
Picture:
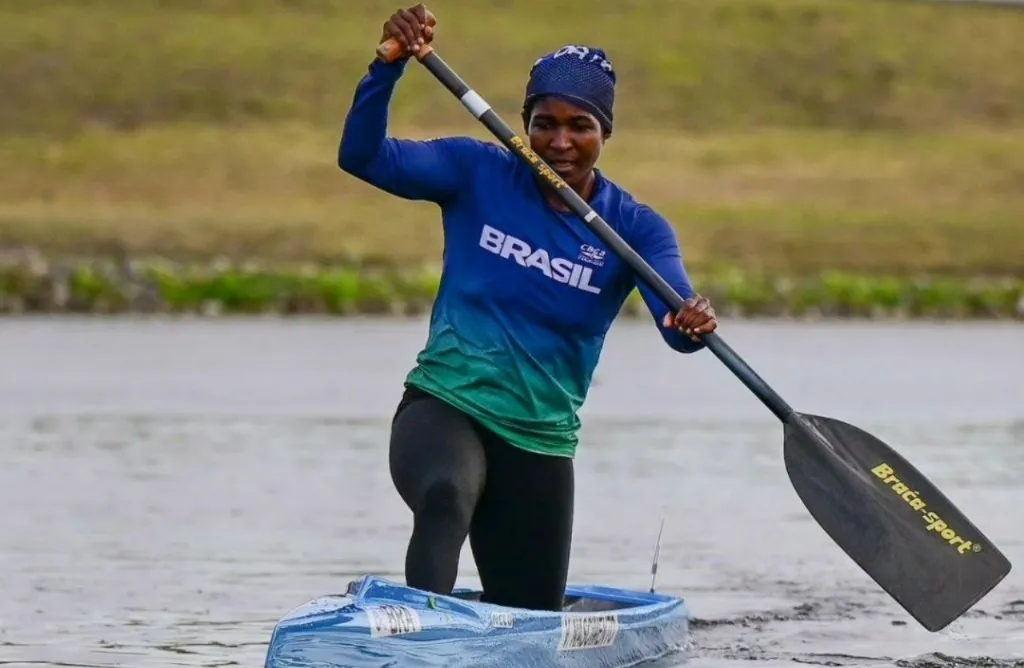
527	292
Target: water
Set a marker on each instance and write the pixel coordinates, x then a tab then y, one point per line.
171	488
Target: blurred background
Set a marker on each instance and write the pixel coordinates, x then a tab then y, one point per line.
843	156
174	484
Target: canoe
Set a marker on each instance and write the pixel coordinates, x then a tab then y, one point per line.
378	623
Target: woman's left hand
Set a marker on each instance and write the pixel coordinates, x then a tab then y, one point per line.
694	319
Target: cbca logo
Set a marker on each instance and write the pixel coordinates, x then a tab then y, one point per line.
592	255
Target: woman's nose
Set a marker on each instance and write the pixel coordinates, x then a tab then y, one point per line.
561	140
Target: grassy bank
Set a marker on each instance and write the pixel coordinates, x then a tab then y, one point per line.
793	202
824	147
30	283
726	64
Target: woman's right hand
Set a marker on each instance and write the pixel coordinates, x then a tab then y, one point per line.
409	27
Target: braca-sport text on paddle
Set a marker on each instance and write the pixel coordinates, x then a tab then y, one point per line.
884	513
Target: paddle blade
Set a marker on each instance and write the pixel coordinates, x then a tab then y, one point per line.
893	522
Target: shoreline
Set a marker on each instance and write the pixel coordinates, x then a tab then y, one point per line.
32	282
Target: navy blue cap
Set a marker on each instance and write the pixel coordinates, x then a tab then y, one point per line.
580	75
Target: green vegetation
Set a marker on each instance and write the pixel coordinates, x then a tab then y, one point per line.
818	142
29	283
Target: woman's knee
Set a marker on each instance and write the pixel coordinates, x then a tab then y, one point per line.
446	500
437	461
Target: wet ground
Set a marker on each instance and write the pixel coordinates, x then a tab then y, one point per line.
171	488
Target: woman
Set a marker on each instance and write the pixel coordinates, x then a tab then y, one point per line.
483	440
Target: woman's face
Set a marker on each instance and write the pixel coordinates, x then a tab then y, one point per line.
566	137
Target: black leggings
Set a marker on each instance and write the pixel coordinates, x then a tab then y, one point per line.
460	479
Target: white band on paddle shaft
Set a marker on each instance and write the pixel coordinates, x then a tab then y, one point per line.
476	104
591	215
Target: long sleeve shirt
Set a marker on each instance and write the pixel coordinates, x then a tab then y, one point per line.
527	292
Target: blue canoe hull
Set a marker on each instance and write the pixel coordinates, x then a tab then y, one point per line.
382	624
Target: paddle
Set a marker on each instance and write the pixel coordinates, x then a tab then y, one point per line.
884	513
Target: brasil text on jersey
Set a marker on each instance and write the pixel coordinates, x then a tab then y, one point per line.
557	269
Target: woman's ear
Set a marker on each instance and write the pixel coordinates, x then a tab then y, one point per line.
525	115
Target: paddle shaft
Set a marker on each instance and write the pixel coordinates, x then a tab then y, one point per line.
390	50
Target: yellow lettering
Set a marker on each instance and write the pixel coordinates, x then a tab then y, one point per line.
882	470
933	523
546	173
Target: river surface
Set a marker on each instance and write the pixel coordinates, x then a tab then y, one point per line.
172	487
